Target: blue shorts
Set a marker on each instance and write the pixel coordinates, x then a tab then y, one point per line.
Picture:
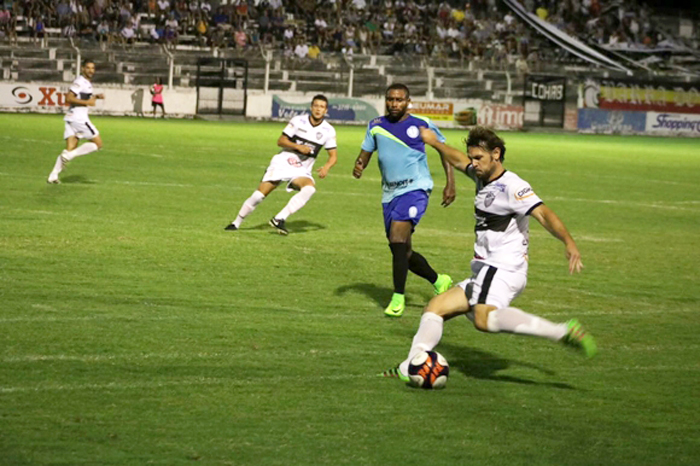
409	207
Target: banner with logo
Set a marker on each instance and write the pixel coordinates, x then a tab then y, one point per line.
643	96
127	100
436	111
591	120
339	109
673	124
542	87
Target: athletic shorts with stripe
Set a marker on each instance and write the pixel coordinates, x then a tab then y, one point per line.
83	129
492	286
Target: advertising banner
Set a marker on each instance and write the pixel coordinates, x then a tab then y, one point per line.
642	96
673	124
591	120
540	87
51	98
339	109
436	111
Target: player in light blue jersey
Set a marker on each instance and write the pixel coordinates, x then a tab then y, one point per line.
406	186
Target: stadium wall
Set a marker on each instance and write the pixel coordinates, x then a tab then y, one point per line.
119	100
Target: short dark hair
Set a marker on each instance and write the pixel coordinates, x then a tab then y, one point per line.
398	86
85	63
486	139
320	97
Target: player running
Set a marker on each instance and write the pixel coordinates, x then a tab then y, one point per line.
301	141
406	185
77	123
499	269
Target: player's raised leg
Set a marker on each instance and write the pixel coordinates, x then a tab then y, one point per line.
307	189
514	320
265	188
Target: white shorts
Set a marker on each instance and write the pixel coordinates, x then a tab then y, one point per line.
286	167
492	286
82	129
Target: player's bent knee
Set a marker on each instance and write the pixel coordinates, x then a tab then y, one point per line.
481	317
310	190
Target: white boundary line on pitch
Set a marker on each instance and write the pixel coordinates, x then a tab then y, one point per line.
172	383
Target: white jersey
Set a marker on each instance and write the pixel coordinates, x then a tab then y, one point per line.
501	209
300	131
82	88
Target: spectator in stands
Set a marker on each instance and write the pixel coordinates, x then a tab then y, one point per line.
129	34
301	51
103	33
240	38
314	51
202	30
69	30
38	28
163	8
5	20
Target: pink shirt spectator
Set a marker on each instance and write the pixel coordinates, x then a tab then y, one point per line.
157	93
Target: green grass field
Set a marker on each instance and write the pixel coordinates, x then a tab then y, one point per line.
135	330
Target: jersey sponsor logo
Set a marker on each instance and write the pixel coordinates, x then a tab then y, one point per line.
524	193
412	132
490	197
398	184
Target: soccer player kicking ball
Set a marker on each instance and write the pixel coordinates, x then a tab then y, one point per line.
301	141
406	185
499	269
78	125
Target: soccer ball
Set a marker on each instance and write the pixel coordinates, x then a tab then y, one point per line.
428	369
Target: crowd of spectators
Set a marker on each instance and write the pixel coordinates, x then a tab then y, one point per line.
306	29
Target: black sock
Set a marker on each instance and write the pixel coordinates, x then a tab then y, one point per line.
419	265
399	252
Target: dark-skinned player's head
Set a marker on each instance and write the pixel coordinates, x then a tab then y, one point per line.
397	99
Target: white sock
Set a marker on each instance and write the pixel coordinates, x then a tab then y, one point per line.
296	202
248	206
513	320
58	166
82	150
427	337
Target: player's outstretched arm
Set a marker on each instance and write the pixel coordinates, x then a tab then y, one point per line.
361	163
553	224
285	143
454	157
450	192
332	159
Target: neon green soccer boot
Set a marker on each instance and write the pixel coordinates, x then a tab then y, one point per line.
576	337
442	284
395	373
396	306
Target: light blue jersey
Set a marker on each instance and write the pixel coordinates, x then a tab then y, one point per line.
401	152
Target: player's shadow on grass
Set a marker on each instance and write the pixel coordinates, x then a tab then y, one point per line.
482	365
294	227
76	179
380	295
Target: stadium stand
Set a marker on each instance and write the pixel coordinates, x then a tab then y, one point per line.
478	49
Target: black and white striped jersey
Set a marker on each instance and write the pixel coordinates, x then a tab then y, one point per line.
300	131
82	88
501	209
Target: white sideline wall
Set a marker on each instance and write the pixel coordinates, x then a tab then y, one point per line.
119	100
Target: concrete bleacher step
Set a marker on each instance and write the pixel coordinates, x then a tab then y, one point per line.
40	75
